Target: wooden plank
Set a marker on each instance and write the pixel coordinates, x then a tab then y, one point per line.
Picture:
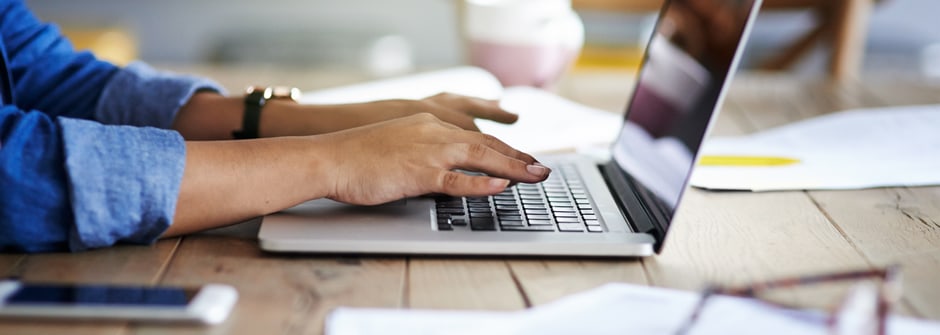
280	294
920	283
123	264
450	283
116	265
890	225
8	262
738	237
884	225
543	281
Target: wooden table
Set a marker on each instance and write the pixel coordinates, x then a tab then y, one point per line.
727	238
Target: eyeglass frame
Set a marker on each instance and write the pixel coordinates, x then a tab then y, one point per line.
889	293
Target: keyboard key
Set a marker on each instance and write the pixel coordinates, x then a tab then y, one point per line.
538	217
595	229
482	224
567	220
592	222
590	217
567	215
510	217
541	223
570	227
529	228
537	211
456	211
458	222
563	210
514	223
582	201
587	212
480	209
481	215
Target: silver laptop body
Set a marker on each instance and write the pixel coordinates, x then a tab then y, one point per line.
621	208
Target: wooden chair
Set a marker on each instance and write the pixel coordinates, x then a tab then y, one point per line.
842	24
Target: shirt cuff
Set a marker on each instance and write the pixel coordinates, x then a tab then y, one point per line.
124	181
139	95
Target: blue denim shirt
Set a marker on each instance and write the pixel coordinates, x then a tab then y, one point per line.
86	160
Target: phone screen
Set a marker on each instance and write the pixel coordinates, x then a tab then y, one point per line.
96	295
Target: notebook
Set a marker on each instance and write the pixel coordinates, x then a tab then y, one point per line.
619	208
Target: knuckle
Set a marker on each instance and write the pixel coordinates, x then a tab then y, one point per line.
425	116
447	95
476	151
450	181
490	140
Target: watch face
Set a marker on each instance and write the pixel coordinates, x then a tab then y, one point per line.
285	92
276	92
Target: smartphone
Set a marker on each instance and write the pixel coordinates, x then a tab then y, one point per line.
209	304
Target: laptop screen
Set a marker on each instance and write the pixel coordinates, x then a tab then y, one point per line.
690	57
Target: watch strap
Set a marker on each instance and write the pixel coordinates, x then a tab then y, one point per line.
254	101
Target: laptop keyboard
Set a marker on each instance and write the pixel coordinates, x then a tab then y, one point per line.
559	203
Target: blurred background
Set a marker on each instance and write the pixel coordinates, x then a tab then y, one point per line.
384	38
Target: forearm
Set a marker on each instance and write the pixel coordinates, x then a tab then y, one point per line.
210	116
226	182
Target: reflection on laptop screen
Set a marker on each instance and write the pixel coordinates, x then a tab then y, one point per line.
687	63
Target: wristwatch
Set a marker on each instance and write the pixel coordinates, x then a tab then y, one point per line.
255	98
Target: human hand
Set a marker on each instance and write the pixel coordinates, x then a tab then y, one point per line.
452	108
462	110
417	155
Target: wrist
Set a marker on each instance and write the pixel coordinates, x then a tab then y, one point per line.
255	102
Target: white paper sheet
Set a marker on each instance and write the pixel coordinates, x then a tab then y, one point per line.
610	309
896	146
464	80
546	123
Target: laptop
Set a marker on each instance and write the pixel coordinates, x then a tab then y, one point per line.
619	208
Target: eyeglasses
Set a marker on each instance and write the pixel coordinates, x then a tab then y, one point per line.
863	311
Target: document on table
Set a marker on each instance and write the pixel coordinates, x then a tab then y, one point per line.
610	309
882	147
546	123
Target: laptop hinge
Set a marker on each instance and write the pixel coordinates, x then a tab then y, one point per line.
638	205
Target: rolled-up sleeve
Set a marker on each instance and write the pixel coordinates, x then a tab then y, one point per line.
87	159
139	95
123	181
72	184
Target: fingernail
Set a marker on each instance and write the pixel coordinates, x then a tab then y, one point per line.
499	183
537	169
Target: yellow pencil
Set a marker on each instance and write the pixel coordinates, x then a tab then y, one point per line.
720	160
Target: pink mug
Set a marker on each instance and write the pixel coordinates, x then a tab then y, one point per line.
523	42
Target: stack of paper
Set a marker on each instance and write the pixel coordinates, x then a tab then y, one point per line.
897	146
547	122
614	309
